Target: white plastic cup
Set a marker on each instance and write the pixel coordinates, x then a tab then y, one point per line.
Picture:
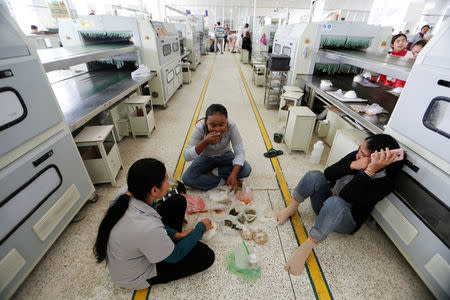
253	260
316	154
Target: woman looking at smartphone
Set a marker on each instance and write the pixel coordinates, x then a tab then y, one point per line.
345	194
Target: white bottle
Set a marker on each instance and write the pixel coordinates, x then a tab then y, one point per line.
316	154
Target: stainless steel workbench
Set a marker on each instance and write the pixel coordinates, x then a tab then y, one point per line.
58	58
83	96
377	95
394	66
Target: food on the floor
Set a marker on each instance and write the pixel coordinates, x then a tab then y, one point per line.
246	233
246	195
233	212
219	197
249	215
260	237
194	203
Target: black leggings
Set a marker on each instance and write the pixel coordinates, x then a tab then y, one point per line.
199	259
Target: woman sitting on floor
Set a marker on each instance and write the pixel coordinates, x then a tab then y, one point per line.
344	195
144	244
209	148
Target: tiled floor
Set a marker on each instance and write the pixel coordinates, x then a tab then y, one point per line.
363	265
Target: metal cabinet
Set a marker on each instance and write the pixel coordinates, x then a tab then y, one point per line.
39	193
299	128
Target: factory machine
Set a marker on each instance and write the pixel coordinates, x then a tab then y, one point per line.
43	181
163	56
303	43
158	43
416	216
187	26
263	43
203	34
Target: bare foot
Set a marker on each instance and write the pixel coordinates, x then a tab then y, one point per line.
296	264
284	214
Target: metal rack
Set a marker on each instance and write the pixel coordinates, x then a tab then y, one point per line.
59	58
394	66
378	95
275	80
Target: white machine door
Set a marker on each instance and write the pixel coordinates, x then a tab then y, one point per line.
423	114
27	102
31	184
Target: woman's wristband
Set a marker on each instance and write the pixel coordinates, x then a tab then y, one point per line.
369	173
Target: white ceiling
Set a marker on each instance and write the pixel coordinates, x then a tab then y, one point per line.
240	3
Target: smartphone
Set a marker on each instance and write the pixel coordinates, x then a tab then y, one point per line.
399	154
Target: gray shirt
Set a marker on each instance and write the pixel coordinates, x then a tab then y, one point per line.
223	145
341	182
136	243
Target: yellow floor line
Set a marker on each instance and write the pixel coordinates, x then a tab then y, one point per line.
145	293
318	281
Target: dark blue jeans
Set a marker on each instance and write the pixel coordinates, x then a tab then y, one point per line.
333	213
196	176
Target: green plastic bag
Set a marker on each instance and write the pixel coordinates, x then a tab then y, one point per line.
248	274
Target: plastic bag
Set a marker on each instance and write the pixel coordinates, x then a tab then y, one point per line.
240	264
246	233
230	228
373	109
194	204
259	236
210	234
246	216
245	195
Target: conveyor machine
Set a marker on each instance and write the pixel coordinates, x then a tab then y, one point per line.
302	42
416	216
187	26
158	44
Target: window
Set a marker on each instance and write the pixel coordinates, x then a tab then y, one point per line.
166	49
437	116
178	69
286	51
13	108
175	47
277	49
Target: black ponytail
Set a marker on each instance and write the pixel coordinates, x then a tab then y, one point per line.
143	175
211	110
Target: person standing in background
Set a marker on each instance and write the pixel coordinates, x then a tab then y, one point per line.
219	33
227	32
417	37
247	44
